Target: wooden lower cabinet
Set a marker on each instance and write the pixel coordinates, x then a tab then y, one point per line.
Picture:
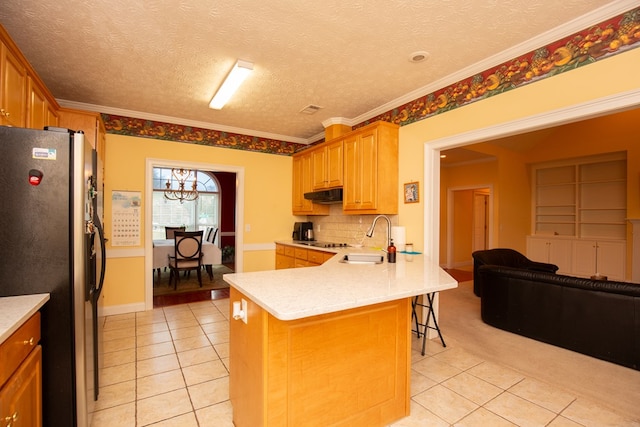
21	398
295	257
349	368
21	376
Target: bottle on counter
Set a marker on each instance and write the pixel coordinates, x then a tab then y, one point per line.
391	252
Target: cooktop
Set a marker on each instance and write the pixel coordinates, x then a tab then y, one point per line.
318	244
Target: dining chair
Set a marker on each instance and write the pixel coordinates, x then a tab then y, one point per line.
187	256
212	232
169	232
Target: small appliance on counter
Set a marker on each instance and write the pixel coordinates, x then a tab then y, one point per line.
302	231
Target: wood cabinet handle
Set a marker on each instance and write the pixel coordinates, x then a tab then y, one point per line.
28	342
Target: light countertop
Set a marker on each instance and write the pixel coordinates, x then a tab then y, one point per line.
297	293
14	311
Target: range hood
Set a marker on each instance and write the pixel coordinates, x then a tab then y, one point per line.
325	197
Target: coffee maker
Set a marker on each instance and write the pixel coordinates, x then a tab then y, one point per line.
302	231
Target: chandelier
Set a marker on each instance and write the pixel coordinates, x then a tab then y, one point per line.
181	176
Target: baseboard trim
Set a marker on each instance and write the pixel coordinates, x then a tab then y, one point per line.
123	309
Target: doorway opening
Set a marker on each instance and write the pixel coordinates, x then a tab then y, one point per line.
228	240
469	224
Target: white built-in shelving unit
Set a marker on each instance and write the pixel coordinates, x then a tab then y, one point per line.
578	216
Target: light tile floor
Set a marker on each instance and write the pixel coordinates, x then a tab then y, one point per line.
169	367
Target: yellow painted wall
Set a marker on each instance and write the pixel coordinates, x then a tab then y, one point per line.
483	174
463	224
608	77
267	203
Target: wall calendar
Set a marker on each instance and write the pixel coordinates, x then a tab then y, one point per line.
125	217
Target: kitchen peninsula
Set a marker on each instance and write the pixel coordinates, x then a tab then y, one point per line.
326	345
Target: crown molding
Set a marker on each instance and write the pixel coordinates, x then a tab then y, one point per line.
177	120
337	121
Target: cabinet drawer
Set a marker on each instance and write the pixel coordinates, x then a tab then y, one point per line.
301	253
16	348
283	261
316	257
290	251
280	249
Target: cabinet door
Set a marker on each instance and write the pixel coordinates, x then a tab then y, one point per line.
538	249
560	254
51	114
369	170
21	397
554	251
335	161
302	184
298	201
13	89
318	168
40	112
360	172
326	165
599	257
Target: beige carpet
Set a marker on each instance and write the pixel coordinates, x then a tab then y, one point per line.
611	385
190	284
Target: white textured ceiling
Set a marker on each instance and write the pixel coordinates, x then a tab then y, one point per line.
166	58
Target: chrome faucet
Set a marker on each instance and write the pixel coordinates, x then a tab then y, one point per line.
373	227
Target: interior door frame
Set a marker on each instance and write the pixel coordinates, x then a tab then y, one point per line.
569	114
450	220
148	214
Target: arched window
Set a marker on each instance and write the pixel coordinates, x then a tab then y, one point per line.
194	215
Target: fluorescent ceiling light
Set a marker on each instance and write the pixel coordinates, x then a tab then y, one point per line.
236	76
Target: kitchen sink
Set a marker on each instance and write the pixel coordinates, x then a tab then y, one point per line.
363	258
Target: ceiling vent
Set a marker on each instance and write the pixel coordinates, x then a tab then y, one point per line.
311	109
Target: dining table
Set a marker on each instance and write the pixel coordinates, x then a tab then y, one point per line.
163	248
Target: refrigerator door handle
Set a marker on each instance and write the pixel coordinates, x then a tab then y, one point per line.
103	258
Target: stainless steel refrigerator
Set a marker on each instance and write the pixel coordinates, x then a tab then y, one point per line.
51	241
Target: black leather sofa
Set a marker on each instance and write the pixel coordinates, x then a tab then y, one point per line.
597	318
508	258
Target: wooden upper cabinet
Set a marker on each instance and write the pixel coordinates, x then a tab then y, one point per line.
13	89
302	184
85	121
363	162
24	99
327	166
40	112
371	170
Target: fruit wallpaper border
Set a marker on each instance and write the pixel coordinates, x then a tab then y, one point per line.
595	43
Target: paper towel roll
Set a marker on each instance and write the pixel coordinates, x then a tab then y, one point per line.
398	234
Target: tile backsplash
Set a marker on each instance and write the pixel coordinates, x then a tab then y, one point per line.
351	229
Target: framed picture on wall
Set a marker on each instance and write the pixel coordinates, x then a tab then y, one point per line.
411	192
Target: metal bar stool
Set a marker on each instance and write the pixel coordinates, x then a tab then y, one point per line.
430	314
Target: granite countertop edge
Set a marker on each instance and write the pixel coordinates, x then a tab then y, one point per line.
16	310
296	293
